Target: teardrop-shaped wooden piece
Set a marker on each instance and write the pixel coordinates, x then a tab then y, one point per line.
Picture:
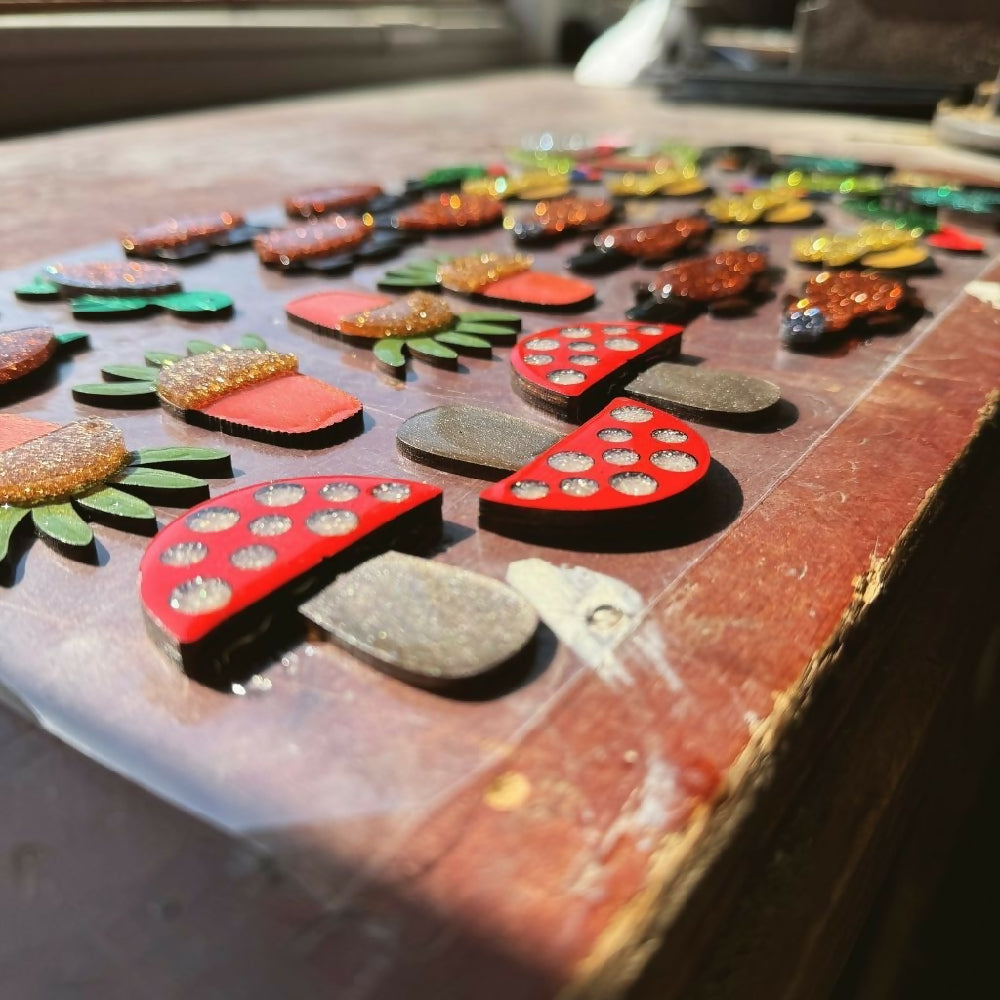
219	585
426	623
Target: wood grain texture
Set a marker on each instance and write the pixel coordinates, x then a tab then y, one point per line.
397	858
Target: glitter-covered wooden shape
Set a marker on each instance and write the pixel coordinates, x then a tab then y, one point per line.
572	371
187	237
555	218
219	586
649	244
880	245
246	392
613	475
29	350
57	478
330	244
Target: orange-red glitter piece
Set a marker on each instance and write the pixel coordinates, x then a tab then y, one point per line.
656	241
844	296
333	235
707	279
336	198
23	351
178	232
419	313
451	211
114	277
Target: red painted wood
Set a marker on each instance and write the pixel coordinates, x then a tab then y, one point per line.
15	430
539	288
954	239
326	309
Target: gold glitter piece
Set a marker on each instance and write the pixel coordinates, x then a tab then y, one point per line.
198	381
418	313
530	186
840	249
55	466
678	183
777	205
469	274
22	351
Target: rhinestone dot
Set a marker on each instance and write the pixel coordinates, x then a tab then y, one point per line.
621	456
621	344
199	595
566	376
669	435
615	331
391	492
184	554
212	519
332	522
673	461
542	344
253	557
279	494
529	489
649	331
578	487
632	414
270	524
583	346
580	332
538	359
614	435
584	360
339	492
570	461
633	484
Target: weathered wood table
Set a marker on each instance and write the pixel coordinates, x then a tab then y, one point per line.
710	808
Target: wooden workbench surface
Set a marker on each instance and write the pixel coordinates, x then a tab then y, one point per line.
375	841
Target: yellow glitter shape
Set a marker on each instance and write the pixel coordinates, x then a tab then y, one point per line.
904	256
679	183
198	381
867	244
419	313
469	274
531	186
65	462
780	205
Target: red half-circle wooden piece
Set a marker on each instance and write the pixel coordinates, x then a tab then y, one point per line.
539	288
325	310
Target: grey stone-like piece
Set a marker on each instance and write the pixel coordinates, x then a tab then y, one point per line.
426	623
473	440
712	396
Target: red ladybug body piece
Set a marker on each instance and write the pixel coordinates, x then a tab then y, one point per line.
226	578
573	370
610	477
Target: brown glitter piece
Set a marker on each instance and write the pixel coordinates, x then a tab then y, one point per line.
557	215
335	234
178	232
844	296
655	241
22	351
708	279
469	274
198	381
451	211
418	313
70	460
320	201
115	277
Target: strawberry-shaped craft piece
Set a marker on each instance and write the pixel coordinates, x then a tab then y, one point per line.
421	325
506	278
332	243
220	585
248	392
609	477
881	245
836	302
122	289
763	207
186	237
654	243
57	478
555	218
726	282
572	371
450	213
31	349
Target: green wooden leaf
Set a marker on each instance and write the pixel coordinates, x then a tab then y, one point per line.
160	358
10	518
72	338
459	339
201	347
62	524
506	318
453	175
106	304
252	342
116	393
426	347
194	302
390	352
484	329
37	288
116	503
172	456
408	282
159	479
133	373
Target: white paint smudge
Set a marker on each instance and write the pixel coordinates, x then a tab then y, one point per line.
588	611
985	291
648	810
